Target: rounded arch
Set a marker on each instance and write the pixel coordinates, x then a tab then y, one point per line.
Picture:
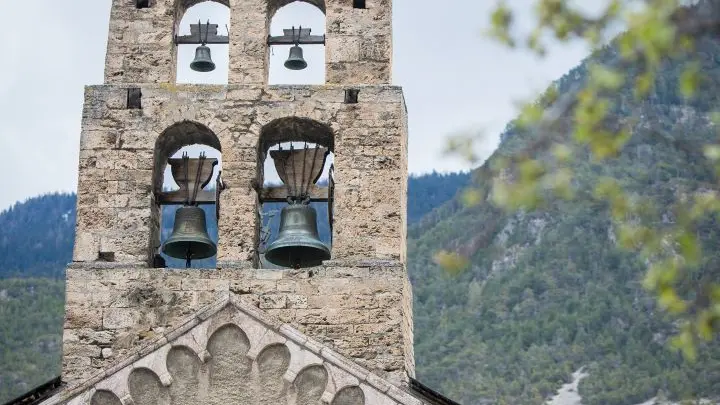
274	359
174	138
181	7
295	129
104	397
311	383
228	338
275	5
351	395
182	361
145	387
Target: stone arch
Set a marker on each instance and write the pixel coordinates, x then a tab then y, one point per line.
272	364
310	384
181	7
170	141
174	138
102	397
228	339
275	5
184	54
295	129
291	129
283	15
352	395
184	366
146	388
229	366
274	359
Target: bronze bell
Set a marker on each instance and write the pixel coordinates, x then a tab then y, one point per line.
296	60
298	244
203	60
189	239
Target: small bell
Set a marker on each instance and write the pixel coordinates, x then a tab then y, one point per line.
295	60
189	239
203	60
298	244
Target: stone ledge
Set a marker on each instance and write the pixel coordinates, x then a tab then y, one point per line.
218	87
106	265
339	269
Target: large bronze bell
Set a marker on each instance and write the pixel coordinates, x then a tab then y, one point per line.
203	60
189	239
298	244
295	60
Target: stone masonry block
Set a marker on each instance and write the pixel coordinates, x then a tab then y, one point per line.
128	306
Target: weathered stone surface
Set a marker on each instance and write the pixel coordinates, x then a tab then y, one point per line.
117	214
235	354
359	311
141	48
138	334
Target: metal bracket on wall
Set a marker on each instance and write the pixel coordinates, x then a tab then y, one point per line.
297	37
202	34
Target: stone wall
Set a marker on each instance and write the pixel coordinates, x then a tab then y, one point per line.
116	212
141	45
363	311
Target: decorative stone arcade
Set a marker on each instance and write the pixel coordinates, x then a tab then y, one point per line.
358	303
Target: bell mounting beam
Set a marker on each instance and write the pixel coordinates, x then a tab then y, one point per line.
202	34
279	194
294	36
177	197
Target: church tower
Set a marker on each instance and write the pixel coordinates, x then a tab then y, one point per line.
340	332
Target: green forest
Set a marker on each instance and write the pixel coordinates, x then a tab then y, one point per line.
30	333
547	292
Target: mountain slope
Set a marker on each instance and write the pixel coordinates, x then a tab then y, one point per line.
549	292
36	237
30	334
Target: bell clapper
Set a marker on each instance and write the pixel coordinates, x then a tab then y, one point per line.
188	257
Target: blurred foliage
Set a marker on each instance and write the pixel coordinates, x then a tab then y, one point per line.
589	238
665	57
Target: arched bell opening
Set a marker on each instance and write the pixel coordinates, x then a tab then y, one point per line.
202	41
296	196
297	42
186	188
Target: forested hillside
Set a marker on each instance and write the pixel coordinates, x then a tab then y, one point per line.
36	239
549	291
30	333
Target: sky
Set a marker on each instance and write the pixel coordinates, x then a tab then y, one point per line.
454	78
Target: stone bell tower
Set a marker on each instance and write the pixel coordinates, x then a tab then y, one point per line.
358	303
